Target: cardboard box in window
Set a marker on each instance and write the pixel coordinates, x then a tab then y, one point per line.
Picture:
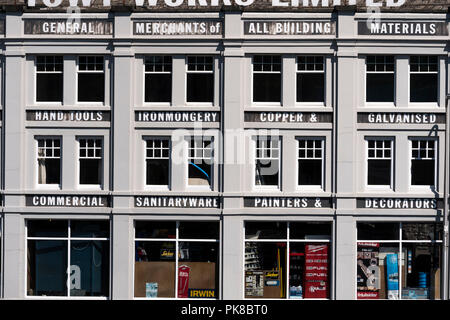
202	275
160	272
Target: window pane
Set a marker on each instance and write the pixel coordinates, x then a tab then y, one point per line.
155	229
89	269
377	271
421	270
200	87
47	228
89	229
49	87
266	172
49	171
91	87
265	269
310	87
158	87
378	231
380	88
309	271
379	172
198	270
423	88
422	172
90	171
265	230
310	172
198	230
422	231
47	268
154	269
157	172
267	87
199	172
310	230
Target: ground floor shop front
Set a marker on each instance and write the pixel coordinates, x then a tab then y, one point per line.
216	256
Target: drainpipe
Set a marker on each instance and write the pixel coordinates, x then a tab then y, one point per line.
446	198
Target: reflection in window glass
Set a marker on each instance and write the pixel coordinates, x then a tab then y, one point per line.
47	268
159	265
51	246
270	272
378	231
265	230
393	268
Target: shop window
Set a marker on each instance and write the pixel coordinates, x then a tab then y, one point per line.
404	263
91	79
310	79
267	161
379	162
158	79
68	258
267	78
423	161
423	78
380	78
49	161
49	78
157	161
310	162
176	259
200	79
287	260
200	161
91	168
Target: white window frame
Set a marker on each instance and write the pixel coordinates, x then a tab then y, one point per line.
398	242
36	72
146	57
255	158
169	158
68	238
322	140
78	71
187	71
392	160
425	104
410	157
380	104
323	71
102	180
288	241
211	141
49	186
276	103
176	241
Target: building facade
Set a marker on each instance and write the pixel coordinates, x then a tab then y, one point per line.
225	154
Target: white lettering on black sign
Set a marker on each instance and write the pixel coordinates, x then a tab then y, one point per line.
182	116
50	115
173	27
176	202
295	117
403	28
66	201
289	27
404	203
277	202
67	27
417	118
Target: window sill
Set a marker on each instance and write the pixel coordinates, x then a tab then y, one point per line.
48	186
156	188
93	187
